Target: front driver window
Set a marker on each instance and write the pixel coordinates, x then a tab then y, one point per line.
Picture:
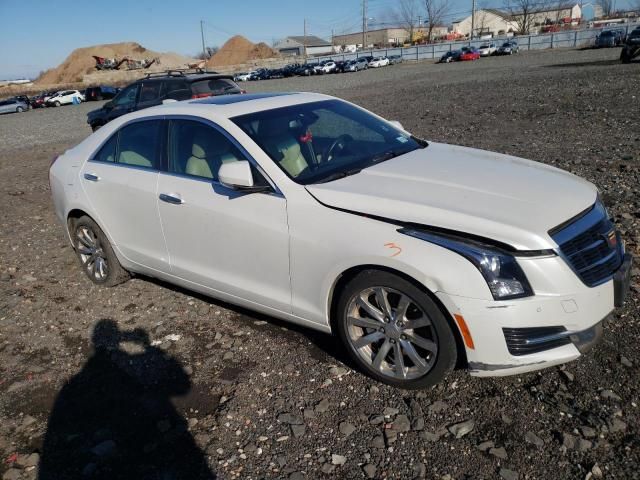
127	96
199	150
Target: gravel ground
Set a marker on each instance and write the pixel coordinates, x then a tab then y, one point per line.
201	389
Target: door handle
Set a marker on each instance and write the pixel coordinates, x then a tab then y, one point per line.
91	177
172	198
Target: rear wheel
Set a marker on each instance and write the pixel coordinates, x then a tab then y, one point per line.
625	55
19	109
394	331
96	256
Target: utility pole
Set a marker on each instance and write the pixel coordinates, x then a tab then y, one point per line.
304	44
204	51
364	24
473	18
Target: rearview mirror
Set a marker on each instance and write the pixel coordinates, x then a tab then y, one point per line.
396	124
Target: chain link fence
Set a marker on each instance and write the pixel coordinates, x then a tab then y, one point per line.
568	39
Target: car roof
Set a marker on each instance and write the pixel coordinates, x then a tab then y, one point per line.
228	106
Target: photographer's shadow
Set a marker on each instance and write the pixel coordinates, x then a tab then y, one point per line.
115	419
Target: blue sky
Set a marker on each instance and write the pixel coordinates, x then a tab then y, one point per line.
39	34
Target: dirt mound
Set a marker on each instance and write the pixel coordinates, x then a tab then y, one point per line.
240	50
81	61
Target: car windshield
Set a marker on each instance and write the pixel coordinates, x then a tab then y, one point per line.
322	141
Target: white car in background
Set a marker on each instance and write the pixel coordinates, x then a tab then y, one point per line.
379	62
487	49
65	97
313	210
244	77
325	67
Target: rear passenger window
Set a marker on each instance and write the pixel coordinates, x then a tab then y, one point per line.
108	151
177	90
140	143
199	150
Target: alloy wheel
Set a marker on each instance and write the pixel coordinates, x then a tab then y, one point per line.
391	333
91	253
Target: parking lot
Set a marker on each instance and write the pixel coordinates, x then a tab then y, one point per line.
270	400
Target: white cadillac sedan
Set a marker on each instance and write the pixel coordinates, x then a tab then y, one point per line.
417	255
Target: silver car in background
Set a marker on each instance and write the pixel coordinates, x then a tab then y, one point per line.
13	106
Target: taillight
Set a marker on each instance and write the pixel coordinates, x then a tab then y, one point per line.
201	95
243	91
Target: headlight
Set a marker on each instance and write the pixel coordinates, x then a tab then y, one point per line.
503	275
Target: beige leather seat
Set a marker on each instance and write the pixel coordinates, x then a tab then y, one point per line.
136	151
209	150
282	145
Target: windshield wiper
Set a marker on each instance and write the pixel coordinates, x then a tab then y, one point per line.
338	175
383	157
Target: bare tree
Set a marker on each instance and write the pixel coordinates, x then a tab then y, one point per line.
407	16
607	7
210	52
523	13
436	10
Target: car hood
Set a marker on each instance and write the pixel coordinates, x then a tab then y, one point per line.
496	196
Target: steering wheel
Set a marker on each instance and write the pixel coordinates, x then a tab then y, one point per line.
339	143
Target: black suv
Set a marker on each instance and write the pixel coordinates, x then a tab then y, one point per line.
631	48
157	87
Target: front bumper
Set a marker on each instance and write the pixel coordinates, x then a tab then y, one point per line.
503	331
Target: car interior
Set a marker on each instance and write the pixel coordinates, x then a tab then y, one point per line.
199	150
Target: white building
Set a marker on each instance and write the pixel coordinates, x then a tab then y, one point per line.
296	46
499	22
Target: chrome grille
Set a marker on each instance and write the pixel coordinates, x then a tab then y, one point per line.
590	245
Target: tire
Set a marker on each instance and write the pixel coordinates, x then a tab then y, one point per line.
94	252
19	110
56	104
431	340
625	55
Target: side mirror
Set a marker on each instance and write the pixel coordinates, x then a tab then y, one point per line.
238	176
396	124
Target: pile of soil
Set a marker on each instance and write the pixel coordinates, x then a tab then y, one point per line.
81	61
239	50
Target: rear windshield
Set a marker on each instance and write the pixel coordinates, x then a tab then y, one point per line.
215	86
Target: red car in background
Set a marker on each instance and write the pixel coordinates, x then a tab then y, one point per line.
469	53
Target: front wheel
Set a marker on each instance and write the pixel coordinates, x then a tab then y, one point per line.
394	331
96	256
19	110
56	104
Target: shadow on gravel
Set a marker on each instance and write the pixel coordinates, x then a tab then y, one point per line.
325	346
595	63
115	419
